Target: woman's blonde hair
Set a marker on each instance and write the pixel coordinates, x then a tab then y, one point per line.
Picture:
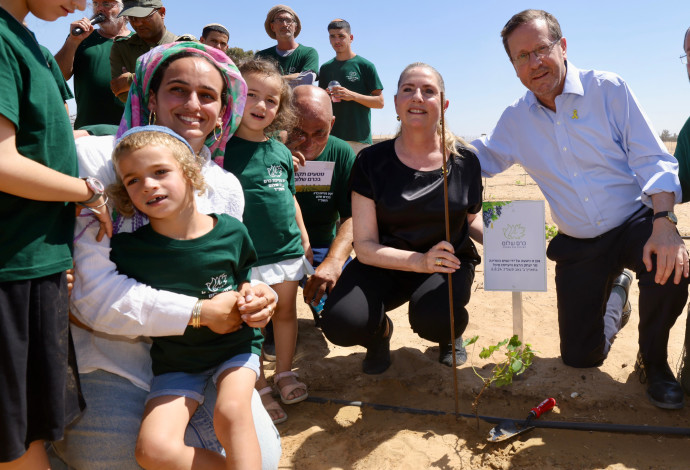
451	140
189	164
285	116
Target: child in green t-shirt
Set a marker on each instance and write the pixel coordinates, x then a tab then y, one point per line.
185	251
39	391
272	215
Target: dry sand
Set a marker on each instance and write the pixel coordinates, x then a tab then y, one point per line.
333	436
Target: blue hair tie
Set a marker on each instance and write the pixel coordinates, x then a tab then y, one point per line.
153	128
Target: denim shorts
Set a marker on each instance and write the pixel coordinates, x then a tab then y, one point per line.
185	384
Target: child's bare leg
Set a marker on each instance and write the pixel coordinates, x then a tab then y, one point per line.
285	333
232	419
161	437
274	410
34	458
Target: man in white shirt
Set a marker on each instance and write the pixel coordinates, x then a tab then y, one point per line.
611	186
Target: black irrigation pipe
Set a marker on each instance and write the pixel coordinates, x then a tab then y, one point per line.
575	426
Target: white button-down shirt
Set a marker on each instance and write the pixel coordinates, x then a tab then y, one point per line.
597	159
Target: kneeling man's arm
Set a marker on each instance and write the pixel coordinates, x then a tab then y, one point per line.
331	267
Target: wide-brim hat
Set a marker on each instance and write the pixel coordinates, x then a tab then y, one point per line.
139	8
272	14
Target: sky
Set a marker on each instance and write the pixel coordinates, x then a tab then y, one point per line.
640	41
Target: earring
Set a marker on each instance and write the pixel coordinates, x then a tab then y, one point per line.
152	118
397	117
217	137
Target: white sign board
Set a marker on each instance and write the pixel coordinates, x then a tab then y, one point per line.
314	176
514	246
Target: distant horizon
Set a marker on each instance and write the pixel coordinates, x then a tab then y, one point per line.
641	43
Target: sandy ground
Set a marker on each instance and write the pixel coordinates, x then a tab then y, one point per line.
336	436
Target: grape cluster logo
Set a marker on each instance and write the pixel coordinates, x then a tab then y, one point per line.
491	211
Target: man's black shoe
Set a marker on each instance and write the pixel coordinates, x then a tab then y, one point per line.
663	390
624	281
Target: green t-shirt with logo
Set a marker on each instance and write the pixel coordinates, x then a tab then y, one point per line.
203	267
302	58
267	176
322	209
96	103
352	120
35	236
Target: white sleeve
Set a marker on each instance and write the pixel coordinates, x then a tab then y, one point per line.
102	298
223	193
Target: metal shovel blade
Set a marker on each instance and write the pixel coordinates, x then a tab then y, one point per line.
507	428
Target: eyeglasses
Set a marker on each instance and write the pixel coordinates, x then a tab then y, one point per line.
143	18
684	59
287	21
539	53
106	5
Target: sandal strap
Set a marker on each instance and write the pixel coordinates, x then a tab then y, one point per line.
265	391
288	389
281	375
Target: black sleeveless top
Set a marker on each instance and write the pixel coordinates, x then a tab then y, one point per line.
410	204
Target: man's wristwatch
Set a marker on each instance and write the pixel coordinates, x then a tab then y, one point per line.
96	187
666	214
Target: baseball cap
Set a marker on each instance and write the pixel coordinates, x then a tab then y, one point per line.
139	8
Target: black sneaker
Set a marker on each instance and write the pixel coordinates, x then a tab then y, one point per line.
445	355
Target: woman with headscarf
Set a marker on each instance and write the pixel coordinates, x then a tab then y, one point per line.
197	92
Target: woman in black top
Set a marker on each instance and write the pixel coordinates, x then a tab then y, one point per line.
399	231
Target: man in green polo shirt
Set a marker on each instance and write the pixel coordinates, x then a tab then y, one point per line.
298	63
325	209
147	19
358	91
86	56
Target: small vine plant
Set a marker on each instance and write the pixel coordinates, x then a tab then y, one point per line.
518	357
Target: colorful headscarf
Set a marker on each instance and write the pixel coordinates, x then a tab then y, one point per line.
137	112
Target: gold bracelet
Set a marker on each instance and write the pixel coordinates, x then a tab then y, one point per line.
196	314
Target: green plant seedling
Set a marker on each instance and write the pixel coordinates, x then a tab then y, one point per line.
518	358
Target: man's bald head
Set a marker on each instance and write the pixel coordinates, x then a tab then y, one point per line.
309	99
315	120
